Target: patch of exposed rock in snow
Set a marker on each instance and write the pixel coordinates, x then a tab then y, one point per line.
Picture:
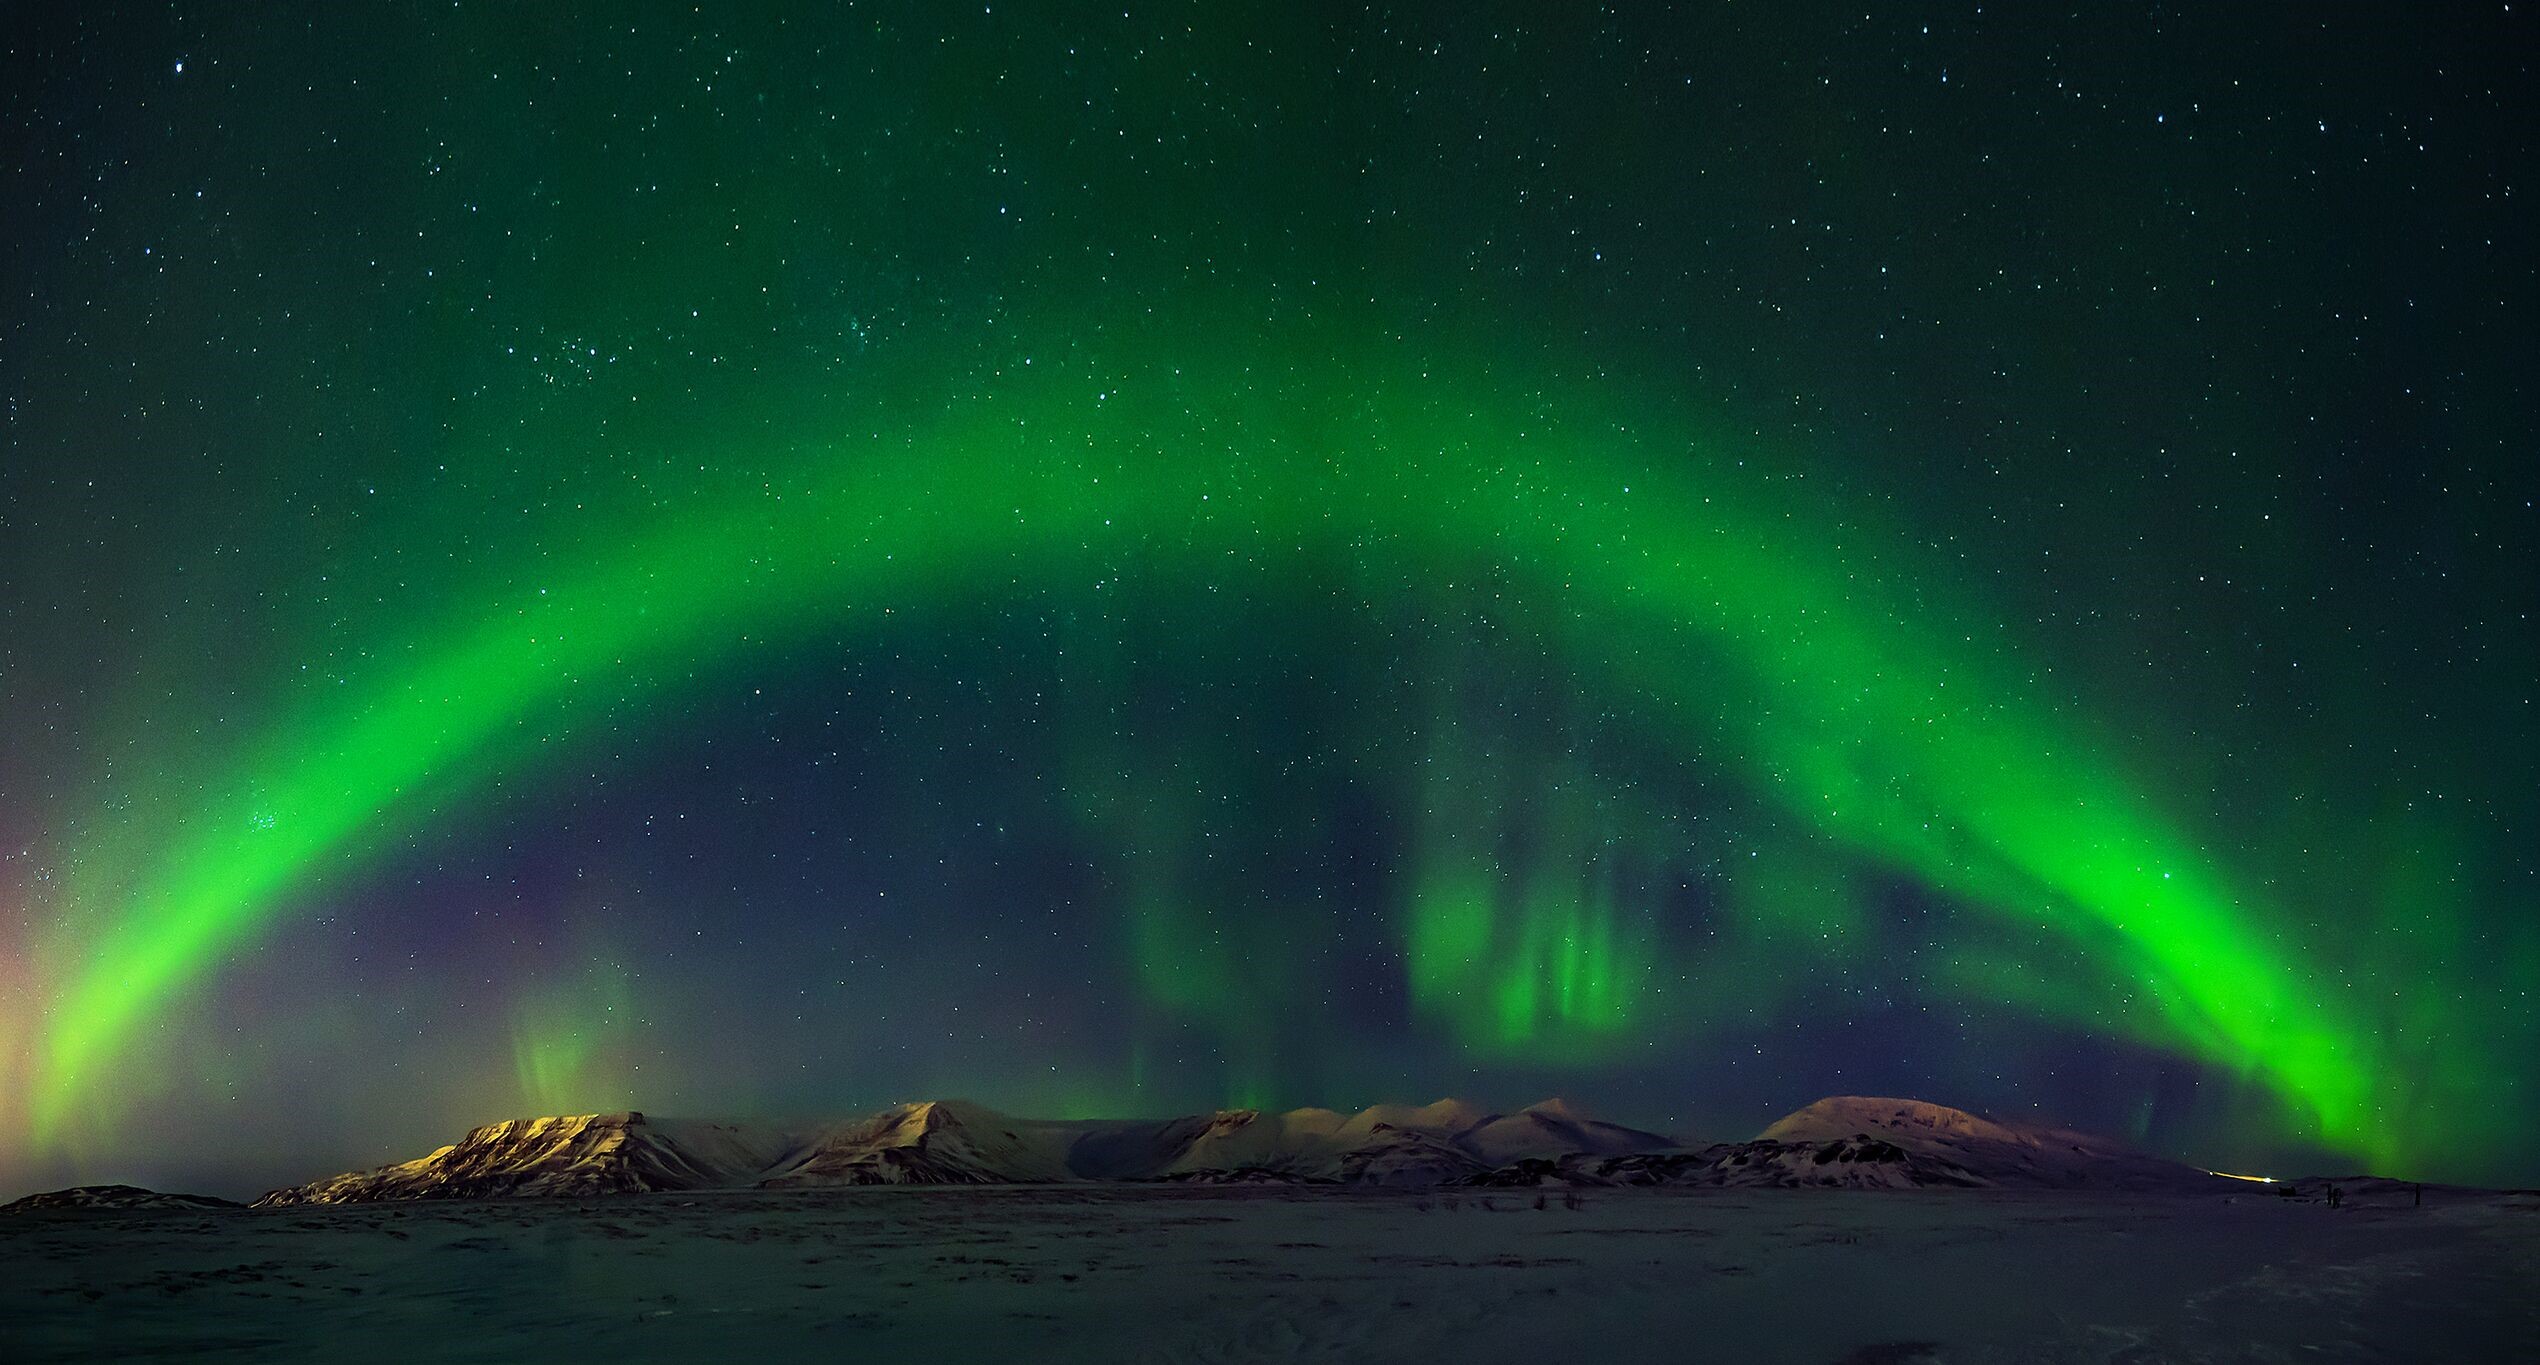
1855	1163
1401	1156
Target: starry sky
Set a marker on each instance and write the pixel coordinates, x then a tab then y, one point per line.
1119	560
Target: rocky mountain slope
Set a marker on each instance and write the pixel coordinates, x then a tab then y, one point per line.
581	1154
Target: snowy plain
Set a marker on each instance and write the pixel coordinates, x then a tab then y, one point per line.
1165	1273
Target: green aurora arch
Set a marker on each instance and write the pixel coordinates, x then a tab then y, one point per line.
1899	729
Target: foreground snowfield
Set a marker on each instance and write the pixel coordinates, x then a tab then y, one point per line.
1110	1273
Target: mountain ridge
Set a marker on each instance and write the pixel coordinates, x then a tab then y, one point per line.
1852	1142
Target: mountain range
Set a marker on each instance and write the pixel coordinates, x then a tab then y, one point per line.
1842	1142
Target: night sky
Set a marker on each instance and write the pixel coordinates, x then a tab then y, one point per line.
1124	560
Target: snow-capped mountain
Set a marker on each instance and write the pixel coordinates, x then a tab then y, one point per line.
578	1154
1852	1142
1553	1129
1448	1142
118	1197
1998	1153
939	1142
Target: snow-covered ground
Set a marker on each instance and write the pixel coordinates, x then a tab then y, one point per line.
1171	1273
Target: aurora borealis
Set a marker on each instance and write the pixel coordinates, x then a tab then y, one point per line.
1124	561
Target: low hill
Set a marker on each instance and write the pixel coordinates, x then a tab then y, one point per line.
115	1197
